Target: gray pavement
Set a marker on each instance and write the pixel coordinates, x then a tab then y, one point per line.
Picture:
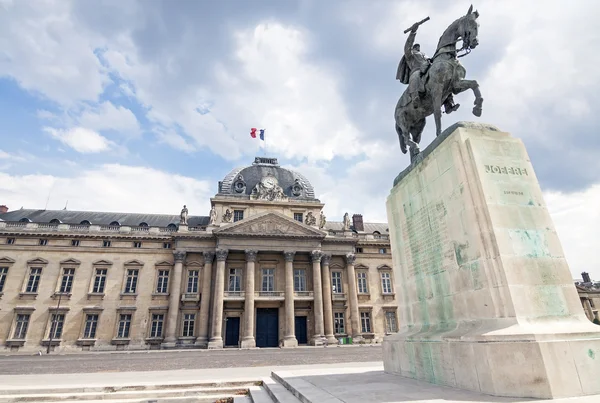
184	360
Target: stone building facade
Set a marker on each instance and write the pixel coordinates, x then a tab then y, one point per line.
263	269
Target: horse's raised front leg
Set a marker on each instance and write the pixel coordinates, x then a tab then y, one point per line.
464	85
437	112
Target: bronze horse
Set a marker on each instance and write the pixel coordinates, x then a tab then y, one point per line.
445	76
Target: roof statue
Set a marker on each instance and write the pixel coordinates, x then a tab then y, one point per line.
433	81
212	220
346	226
322	220
183	216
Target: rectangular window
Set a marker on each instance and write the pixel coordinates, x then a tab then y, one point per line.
91	324
43	242
34	279
131	282
298	217
57	321
339	326
106	244
21	325
390	322
268	280
386	283
189	319
382	250
137	244
99	281
192	284
66	285
235	280
156	330
238	215
10	241
3	274
359	250
167	245
74	242
336	282
362	283
124	326
162	282
299	280
365	322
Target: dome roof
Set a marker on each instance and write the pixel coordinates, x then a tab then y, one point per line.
243	181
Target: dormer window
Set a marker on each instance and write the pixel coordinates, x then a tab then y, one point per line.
85	222
143	224
115	224
24	219
55	221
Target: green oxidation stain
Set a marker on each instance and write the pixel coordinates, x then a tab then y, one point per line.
591	354
529	243
476	275
460	252
531	203
550	301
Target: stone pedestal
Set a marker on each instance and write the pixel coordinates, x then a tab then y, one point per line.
486	298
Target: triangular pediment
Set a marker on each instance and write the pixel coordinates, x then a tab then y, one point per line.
37	260
6	260
164	263
133	263
270	224
102	263
194	263
71	261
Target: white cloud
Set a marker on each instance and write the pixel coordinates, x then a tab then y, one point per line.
45	50
110	187
107	116
80	139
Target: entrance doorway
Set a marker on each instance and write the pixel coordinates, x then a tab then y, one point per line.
267	327
300	325
232	332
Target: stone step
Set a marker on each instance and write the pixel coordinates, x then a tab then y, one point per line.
278	392
194	394
303	390
204	399
259	395
132	387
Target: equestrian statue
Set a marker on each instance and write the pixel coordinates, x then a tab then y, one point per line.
432	82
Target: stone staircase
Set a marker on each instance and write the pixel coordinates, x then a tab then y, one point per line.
282	387
207	392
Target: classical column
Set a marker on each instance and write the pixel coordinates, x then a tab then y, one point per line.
289	340
174	297
318	298
327	308
353	297
248	341
216	341
202	339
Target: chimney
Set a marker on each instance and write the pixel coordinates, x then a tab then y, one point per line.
3	209
357	221
586	277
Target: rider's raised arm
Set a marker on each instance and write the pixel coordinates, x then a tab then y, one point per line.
409	44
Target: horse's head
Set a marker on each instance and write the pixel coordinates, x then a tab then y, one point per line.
468	29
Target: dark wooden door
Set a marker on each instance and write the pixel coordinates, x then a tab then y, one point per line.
232	332
300	325
267	327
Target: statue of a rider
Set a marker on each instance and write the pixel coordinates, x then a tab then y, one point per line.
413	67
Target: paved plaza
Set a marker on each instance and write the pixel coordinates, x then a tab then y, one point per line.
184	360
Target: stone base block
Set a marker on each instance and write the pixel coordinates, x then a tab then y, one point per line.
331	339
215	344
248	342
201	342
316	341
289	342
513	367
168	344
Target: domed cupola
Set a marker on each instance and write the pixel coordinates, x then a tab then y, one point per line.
266	180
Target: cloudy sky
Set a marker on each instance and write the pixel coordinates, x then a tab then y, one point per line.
142	106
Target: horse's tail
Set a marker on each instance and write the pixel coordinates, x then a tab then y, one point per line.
401	138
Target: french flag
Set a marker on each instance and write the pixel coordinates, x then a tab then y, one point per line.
261	133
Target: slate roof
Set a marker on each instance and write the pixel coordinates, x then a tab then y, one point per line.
100	218
370	227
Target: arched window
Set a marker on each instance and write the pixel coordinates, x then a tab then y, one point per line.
115	224
377	235
172	226
143	224
55	221
24	219
85	222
